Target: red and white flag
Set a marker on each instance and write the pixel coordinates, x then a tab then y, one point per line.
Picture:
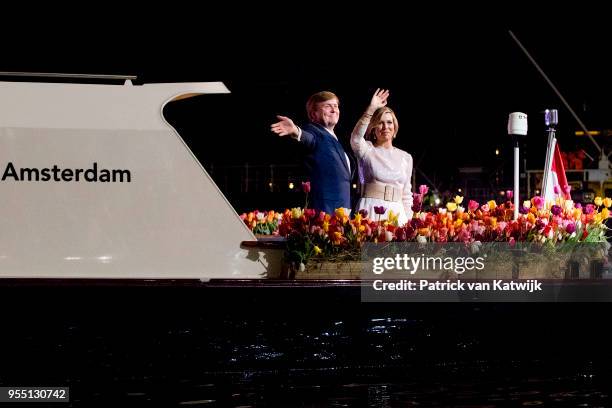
557	185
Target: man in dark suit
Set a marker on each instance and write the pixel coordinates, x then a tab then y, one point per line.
327	161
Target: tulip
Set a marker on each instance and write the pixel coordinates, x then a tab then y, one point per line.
400	234
309	213
538	202
380	210
306	186
296	213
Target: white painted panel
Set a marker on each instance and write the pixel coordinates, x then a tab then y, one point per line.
169	221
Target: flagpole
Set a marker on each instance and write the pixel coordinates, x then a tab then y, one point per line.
516	180
551	120
517	127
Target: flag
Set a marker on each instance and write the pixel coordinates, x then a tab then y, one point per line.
559	171
557	185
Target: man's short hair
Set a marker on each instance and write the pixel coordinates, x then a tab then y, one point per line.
323	96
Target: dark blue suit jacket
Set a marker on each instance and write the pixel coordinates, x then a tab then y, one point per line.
330	178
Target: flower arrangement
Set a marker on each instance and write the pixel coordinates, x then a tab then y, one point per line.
262	222
339	237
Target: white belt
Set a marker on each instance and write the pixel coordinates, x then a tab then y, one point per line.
383	192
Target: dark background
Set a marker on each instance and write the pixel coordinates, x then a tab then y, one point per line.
453	80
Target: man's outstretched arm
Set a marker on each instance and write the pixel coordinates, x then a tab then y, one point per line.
286	127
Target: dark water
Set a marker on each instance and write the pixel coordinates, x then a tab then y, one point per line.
300	347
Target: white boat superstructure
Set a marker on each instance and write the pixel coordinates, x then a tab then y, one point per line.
94	183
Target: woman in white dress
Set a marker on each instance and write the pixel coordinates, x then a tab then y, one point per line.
384	170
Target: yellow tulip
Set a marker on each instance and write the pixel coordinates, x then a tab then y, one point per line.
317	250
531	218
296	213
605	213
607	202
451	206
458	199
598	201
492	205
393	218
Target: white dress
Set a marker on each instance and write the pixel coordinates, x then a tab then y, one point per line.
390	166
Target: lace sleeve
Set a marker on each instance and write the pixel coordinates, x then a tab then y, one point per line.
359	145
407	190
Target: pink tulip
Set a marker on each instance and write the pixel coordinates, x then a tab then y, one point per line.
538	202
306	186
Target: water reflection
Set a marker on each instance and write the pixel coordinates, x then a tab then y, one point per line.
228	349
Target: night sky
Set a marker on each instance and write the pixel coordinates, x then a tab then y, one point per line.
452	84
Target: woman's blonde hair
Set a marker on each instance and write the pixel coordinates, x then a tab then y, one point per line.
375	121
